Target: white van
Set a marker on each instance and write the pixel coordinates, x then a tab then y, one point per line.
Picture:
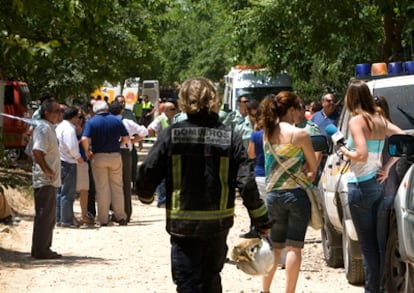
339	239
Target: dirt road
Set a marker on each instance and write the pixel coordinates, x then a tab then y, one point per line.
135	258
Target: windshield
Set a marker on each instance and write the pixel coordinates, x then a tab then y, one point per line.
400	100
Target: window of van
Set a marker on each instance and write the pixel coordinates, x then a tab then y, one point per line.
258	93
400	100
24	92
9	95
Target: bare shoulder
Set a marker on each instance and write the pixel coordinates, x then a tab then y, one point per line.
300	133
301	137
356	119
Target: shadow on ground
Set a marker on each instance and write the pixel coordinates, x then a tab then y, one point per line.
23	260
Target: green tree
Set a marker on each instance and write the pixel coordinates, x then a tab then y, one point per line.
197	41
71	47
319	42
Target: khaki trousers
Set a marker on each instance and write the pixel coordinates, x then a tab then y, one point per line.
107	175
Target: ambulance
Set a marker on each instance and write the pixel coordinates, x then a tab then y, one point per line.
255	82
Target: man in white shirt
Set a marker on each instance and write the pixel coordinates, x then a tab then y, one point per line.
69	158
46	180
136	133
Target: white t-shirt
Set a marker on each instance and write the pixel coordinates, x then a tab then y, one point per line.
133	128
68	142
45	140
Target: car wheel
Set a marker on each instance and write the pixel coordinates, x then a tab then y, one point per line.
399	276
13	155
332	245
354	268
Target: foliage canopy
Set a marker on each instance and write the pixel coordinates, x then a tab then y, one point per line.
72	46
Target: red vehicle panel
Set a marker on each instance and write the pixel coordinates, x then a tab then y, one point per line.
16	102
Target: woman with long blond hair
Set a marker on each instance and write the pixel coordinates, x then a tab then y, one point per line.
288	151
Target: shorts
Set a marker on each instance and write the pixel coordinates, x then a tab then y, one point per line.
290	211
82	176
261	185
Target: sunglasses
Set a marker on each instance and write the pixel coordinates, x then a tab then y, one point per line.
244	101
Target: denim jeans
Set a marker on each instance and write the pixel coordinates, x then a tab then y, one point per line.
197	263
364	199
383	222
290	211
161	193
66	194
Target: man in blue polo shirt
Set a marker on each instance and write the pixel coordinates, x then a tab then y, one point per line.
106	133
327	115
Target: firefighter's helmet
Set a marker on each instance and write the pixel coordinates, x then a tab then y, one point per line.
253	256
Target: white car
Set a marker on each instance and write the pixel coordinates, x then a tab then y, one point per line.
339	238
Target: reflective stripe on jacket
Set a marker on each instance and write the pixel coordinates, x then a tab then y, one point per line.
203	162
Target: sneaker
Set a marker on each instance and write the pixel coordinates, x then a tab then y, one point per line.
250	234
74	224
90	215
10	221
123	222
86	221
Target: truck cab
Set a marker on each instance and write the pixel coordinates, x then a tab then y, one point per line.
17	99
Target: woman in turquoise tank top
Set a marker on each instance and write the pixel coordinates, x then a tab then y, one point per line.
368	129
288	204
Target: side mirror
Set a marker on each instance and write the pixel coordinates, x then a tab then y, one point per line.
319	143
401	145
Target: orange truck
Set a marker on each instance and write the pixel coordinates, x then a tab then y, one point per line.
16	103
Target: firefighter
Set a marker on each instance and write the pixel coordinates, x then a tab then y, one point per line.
202	161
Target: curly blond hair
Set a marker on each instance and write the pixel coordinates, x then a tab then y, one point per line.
196	94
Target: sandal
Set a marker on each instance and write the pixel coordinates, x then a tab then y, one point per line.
86	221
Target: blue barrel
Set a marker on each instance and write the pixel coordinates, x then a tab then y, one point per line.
363	70
409	67
395	68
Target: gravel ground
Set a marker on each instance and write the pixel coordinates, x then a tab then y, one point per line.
134	258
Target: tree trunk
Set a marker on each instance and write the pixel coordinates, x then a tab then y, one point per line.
393	50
